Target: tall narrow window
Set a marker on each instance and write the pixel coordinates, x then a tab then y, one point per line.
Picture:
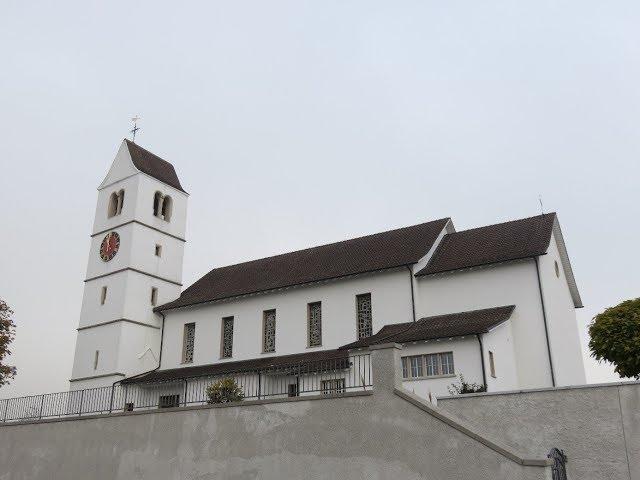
103	295
314	322
154	296
492	365
188	342
158	250
95	359
227	337
269	331
363	308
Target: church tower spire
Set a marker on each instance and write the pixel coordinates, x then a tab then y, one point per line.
135	263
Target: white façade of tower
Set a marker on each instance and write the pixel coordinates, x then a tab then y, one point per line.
135	263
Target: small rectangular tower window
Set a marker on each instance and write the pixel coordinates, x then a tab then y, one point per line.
188	342
154	296
492	365
269	331
158	250
103	295
227	337
364	315
95	360
314	324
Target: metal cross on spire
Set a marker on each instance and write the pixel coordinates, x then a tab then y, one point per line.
135	128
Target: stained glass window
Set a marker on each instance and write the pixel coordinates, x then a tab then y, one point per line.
364	315
315	324
269	329
227	337
189	340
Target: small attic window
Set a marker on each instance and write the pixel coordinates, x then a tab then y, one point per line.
555	264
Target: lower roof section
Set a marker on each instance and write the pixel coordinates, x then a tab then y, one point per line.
440	326
307	362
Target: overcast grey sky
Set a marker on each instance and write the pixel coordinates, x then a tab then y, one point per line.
296	123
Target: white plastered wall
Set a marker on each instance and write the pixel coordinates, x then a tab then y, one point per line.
391	303
564	335
513	283
499	340
466	361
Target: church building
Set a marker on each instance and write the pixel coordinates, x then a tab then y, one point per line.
495	304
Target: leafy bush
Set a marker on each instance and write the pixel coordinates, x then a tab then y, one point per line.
615	337
466	387
224	391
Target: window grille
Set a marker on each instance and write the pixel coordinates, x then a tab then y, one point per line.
227	337
269	331
364	315
293	390
169	401
315	324
430	365
335	385
189	340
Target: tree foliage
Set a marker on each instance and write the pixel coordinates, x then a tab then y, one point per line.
615	337
224	391
7	334
466	387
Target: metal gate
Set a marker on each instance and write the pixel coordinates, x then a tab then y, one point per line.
558	468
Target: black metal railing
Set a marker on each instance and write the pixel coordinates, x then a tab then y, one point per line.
327	377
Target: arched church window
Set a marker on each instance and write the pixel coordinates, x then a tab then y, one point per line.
167	207
112	208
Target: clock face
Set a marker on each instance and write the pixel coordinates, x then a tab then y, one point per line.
109	246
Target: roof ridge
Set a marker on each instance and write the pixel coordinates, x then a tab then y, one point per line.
542	215
328	244
476	310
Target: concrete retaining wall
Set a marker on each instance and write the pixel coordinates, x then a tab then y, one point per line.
385	435
597	426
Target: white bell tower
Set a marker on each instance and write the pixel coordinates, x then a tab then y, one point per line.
135	264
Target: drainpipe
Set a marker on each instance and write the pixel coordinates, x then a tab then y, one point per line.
546	327
484	373
413	301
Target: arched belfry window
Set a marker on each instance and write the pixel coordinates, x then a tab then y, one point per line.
162	206
157	204
116	201
167	207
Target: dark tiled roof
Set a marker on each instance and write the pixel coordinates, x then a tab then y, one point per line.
394	248
440	326
306	362
151	164
525	238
